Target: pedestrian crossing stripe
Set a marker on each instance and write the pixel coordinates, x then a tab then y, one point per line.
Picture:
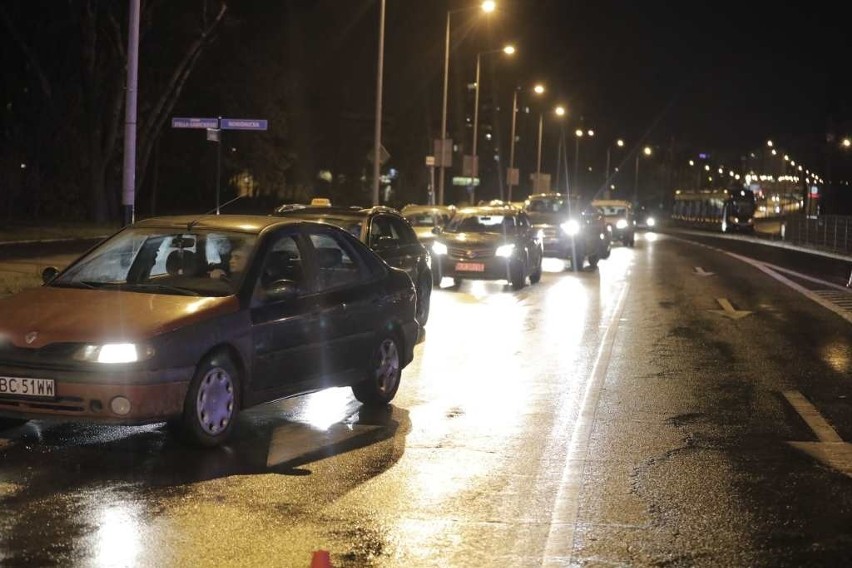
837	297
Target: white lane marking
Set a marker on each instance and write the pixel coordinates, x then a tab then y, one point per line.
831	450
821	429
560	537
701	272
797	287
729	311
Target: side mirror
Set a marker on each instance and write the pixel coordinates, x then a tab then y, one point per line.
281	290
48	274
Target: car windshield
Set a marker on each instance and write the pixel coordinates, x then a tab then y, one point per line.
425	219
610	211
552	205
164	261
503	224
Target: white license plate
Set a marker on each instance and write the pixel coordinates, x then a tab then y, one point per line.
17	386
470	267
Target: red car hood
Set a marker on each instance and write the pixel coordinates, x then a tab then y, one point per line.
41	316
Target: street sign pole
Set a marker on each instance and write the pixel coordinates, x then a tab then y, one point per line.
218	164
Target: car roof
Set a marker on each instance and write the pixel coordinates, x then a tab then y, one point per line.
612	203
237	223
489	210
339	212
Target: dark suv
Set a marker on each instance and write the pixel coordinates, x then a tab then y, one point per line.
385	231
571	232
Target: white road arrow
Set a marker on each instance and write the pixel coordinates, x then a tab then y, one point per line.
701	272
728	310
831	450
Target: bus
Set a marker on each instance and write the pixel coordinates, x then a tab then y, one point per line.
725	210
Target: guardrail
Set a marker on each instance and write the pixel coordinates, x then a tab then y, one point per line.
828	232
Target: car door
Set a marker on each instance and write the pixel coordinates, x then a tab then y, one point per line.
388	238
346	299
284	332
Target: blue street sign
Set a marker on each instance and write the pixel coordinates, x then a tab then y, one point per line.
195	123
243	124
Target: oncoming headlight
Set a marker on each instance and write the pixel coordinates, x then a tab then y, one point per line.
650	222
113	353
571	227
439	248
505	250
621	224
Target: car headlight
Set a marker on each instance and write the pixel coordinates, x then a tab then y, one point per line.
571	227
650	222
621	224
439	248
113	353
505	250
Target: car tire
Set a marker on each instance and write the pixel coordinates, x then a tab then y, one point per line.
535	277
383	374
593	261
424	294
457	282
212	402
9	423
436	278
518	276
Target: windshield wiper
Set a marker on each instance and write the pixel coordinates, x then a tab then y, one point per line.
160	288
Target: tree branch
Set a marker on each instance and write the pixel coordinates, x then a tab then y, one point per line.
43	81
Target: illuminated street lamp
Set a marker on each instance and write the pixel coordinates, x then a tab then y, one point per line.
474	170
647	152
560	112
488	6
579	134
512	178
620	144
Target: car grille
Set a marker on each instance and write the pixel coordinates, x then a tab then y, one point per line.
468	253
53	356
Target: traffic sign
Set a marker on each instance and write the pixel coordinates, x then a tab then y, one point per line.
243	124
384	155
195	123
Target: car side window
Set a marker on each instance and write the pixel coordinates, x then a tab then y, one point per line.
381	228
404	233
336	264
282	261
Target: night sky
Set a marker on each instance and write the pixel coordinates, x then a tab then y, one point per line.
686	77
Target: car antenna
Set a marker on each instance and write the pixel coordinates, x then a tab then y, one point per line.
195	221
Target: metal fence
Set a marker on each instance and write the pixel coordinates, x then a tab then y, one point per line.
829	232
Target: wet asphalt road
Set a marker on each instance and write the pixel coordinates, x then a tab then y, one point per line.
628	416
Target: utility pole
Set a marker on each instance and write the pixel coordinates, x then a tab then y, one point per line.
128	189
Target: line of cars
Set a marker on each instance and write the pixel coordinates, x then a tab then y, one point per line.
188	320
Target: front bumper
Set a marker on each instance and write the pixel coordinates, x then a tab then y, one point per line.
490	268
89	397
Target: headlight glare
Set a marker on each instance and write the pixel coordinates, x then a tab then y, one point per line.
651	222
621	224
113	353
439	248
571	227
505	250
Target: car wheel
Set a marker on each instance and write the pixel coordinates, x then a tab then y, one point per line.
457	282
436	278
593	261
8	423
519	278
383	375
212	402
535	277
424	294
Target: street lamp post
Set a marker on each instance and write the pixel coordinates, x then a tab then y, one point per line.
377	142
620	144
647	151
538	90
579	134
508	50
488	6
